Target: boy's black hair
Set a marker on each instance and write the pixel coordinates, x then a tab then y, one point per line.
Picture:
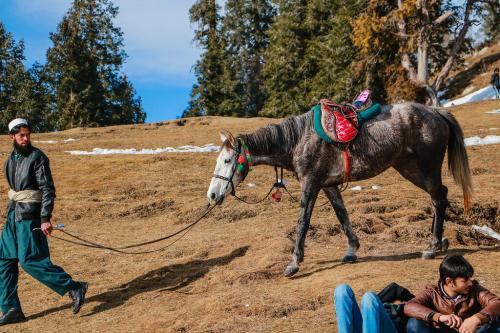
495	70
454	266
17	128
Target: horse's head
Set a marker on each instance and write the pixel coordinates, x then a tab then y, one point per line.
231	168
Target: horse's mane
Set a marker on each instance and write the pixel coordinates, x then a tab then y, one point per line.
278	138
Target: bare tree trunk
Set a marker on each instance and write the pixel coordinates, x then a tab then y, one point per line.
422	60
456	47
423	43
432	95
421	75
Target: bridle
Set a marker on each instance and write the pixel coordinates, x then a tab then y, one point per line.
242	166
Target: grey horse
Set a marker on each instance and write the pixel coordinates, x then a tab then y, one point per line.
410	137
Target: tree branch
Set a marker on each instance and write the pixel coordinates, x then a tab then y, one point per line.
457	45
443	17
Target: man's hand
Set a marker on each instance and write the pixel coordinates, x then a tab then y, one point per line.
451	320
46	228
470	325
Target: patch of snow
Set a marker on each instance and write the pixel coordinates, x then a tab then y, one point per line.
357	188
132	151
493	129
54	141
485	230
376	187
478	95
493	112
441	93
45	141
487	140
252	185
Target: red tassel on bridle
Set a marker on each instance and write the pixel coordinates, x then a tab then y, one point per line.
277	195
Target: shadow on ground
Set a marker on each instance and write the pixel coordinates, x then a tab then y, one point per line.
168	278
391	257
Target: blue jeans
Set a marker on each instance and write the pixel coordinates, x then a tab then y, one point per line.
419	326
497	92
371	319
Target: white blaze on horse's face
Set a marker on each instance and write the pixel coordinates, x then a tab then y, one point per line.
226	167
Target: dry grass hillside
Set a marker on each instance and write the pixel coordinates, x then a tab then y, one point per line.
226	274
474	73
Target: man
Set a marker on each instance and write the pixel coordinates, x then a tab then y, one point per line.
23	239
495	82
456	304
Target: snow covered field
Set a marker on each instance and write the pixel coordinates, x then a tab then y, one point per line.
487	140
478	95
132	151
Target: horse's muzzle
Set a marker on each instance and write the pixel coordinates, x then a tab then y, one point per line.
214	199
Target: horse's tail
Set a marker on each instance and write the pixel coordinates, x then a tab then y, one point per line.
458	163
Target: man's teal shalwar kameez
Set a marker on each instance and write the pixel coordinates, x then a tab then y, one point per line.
19	244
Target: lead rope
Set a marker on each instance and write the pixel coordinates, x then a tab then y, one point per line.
86	243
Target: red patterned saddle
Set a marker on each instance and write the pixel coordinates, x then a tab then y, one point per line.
339	121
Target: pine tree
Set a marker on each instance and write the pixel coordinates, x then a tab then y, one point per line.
310	55
14	80
378	60
416	42
491	16
207	95
83	67
284	68
37	106
331	50
245	28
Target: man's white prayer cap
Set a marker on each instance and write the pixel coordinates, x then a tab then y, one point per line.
17	122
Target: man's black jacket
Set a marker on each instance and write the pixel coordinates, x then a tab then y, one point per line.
31	171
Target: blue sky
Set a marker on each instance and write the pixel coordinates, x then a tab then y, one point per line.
158	41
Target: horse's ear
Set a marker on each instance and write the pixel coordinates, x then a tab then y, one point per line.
226	135
223	136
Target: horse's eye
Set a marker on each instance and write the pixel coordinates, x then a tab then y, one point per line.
227	161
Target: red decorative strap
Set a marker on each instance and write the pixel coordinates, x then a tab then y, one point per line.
347	165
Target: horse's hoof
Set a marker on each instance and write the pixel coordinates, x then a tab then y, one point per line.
444	245
290	270
350	258
428	254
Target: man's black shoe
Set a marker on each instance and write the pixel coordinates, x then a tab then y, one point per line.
12	316
78	296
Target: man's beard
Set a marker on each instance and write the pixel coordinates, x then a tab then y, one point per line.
23	150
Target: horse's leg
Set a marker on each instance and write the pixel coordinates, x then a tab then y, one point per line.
307	200
439	202
333	194
430	181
